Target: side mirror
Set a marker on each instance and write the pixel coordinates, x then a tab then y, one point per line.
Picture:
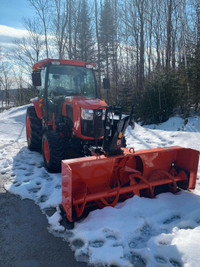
36	78
106	83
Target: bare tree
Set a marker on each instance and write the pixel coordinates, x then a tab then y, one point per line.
42	9
21	83
183	22
70	30
149	33
136	25
60	20
6	81
98	42
29	49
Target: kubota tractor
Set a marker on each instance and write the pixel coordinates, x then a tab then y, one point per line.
67	120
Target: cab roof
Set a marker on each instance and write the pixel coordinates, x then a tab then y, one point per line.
43	62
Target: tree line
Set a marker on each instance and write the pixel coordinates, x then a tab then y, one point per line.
149	49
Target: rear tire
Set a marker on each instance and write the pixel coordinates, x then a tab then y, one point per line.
33	130
53	151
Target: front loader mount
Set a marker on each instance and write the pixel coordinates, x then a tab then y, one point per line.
104	180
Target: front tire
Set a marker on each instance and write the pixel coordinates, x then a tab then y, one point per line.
33	130
53	151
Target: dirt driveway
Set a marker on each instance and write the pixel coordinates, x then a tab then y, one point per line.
24	239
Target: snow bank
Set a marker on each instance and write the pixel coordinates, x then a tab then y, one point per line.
191	124
164	231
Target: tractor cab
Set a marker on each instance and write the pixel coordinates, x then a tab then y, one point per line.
68	107
55	78
68	91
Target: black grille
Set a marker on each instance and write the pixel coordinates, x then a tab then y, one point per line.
94	128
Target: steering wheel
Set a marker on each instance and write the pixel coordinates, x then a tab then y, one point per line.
58	91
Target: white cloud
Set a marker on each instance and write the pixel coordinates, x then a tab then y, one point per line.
11	32
8	35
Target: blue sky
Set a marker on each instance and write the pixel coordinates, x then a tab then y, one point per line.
13	11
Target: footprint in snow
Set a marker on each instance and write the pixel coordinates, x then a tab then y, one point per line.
78	243
49	211
43	199
138	242
16	165
68	234
145	233
32	163
111	237
164	242
49	178
34	190
44	175
17	184
83	257
96	244
28	173
172	219
137	260
175	263
133	244
22	168
160	260
146	230
40	164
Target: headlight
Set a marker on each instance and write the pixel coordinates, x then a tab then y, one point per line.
87	114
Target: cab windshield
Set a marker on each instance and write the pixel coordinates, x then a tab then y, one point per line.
71	80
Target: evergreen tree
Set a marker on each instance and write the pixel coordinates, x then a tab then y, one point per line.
85	41
107	33
194	78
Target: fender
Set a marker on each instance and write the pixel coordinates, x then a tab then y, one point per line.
37	102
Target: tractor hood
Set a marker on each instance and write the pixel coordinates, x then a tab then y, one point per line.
84	102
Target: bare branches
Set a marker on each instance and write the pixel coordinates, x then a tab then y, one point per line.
29	49
59	25
42	10
6	81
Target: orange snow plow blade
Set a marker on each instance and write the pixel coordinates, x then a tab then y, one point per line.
102	181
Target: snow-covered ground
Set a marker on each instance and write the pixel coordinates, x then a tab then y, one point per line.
164	231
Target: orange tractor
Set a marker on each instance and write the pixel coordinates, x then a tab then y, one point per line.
68	122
